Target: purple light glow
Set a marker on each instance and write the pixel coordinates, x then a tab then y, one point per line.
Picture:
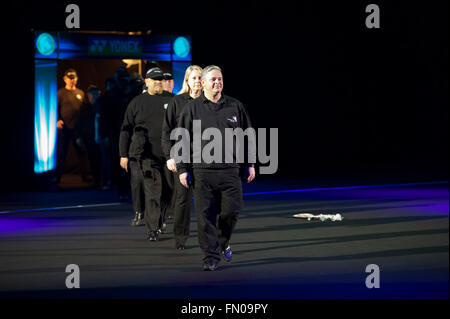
345	188
438	208
14	225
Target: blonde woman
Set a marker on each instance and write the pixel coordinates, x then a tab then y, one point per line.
192	88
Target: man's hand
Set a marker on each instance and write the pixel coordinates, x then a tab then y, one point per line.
124	163
185	179
251	174
171	165
60	124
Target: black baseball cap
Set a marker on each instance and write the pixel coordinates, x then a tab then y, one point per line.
167	76
70	71
155	74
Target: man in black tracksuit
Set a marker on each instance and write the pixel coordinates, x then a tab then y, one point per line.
140	151
217	185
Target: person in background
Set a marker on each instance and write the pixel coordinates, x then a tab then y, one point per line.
70	101
104	123
86	129
168	83
136	84
122	96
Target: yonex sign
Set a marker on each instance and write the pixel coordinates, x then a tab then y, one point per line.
113	46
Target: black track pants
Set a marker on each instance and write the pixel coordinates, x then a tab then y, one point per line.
217	193
150	191
182	212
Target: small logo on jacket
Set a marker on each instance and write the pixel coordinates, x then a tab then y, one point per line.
165	106
233	119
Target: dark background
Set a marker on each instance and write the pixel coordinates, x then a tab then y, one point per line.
347	100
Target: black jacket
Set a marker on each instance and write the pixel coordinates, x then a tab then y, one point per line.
140	135
171	118
227	113
105	110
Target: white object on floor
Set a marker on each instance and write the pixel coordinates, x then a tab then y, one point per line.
322	217
333	218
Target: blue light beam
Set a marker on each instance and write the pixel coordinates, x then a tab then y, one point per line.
45	116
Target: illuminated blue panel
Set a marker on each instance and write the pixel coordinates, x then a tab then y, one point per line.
153	46
45	45
156	56
182	49
45	115
72	46
178	71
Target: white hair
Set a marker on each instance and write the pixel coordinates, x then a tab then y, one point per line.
208	69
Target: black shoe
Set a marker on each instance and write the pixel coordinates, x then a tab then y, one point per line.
181	247
210	265
137	220
153	236
163	229
227	254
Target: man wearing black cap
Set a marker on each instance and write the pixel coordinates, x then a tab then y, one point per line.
70	102
141	154
168	83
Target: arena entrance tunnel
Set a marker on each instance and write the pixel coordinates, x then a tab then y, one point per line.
95	55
